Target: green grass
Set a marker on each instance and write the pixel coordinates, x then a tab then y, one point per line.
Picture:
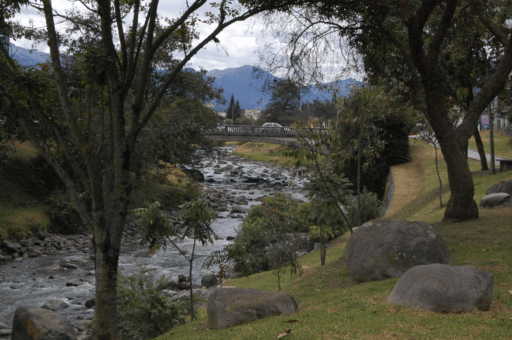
502	144
266	152
333	307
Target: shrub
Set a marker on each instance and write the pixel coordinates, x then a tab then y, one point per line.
63	216
371	207
266	228
144	311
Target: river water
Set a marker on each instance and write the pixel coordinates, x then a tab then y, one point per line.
33	281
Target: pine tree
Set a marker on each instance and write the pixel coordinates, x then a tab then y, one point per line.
229	111
237	111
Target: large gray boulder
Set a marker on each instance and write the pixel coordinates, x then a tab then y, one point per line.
444	288
503	186
32	323
495	200
383	248
229	307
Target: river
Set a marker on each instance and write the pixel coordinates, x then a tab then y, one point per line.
229	181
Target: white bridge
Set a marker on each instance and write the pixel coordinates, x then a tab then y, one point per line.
248	133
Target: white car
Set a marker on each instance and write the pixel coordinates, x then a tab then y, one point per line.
271	125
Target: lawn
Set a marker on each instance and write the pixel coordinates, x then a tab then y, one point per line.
502	144
272	153
333	307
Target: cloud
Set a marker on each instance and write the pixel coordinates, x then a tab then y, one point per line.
238	40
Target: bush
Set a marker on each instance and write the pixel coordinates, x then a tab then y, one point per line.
144	311
371	207
262	230
63	216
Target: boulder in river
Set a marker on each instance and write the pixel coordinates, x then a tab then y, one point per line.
239	209
55	304
209	280
37	323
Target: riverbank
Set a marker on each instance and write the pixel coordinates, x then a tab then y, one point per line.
333	307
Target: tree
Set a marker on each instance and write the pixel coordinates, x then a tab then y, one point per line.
408	41
237	111
284	102
230	111
98	144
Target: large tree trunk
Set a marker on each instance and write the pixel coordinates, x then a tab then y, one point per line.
481	150
461	204
105	315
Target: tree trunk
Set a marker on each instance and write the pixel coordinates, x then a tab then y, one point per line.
440	182
461	204
191	262
481	151
106	263
491	141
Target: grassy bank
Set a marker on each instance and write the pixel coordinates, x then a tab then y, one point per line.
333	307
22	212
502	145
272	153
24	193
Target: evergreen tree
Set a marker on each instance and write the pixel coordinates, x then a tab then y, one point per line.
237	111
229	111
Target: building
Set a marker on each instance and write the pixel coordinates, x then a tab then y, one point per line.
253	114
500	116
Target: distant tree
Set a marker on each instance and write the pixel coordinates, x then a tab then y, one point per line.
237	111
231	107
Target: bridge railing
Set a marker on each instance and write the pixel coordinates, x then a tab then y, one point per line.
249	130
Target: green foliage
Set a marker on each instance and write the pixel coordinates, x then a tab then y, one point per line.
260	242
317	231
154	226
371	207
322	209
64	218
144	311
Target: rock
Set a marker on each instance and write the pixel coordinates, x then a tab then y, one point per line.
11	248
495	200
383	248
195	174
209	280
170	292
229	307
503	186
69	265
5	332
172	285
183	285
444	288
238	209
73	283
90	303
55	305
4	326
82	325
36	323
26	243
183	278
230	238
41	236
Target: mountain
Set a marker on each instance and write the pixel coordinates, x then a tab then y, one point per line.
27	57
239	81
246	88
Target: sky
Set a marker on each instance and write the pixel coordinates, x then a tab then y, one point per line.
241	40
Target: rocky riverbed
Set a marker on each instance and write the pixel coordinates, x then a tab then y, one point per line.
48	266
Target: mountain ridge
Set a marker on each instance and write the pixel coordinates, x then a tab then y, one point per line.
239	81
